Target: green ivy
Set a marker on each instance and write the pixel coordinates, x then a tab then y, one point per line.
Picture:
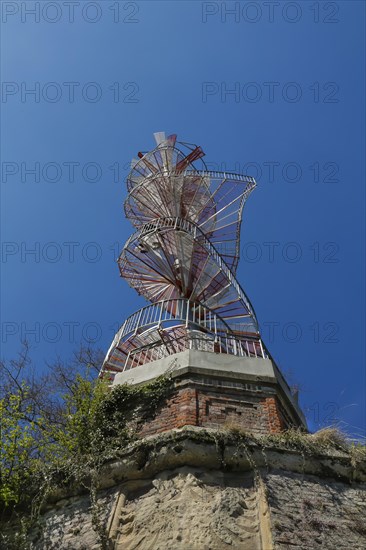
38	457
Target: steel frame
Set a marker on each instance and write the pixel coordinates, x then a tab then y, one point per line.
183	259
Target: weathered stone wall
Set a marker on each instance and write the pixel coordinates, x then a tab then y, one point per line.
198	489
187	508
308	512
68	523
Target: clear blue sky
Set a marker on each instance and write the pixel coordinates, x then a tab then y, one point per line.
121	71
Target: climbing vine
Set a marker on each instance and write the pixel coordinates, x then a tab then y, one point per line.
56	447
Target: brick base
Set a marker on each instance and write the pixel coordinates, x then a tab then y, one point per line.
211	404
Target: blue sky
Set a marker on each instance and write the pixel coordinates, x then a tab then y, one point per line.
275	91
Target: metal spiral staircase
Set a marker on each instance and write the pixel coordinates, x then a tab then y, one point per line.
183	259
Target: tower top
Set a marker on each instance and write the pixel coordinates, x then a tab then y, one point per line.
183	259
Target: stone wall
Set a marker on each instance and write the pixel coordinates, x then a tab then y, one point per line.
68	523
308	512
198	489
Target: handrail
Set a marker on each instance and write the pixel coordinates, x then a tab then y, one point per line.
227	344
120	354
160	312
242	178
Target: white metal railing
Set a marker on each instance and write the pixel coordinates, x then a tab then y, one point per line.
177	310
227	344
221	175
170	326
134	181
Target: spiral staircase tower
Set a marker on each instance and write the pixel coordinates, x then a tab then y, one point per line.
182	258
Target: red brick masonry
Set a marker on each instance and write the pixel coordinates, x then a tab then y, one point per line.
199	405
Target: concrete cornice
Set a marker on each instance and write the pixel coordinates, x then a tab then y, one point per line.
222	451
